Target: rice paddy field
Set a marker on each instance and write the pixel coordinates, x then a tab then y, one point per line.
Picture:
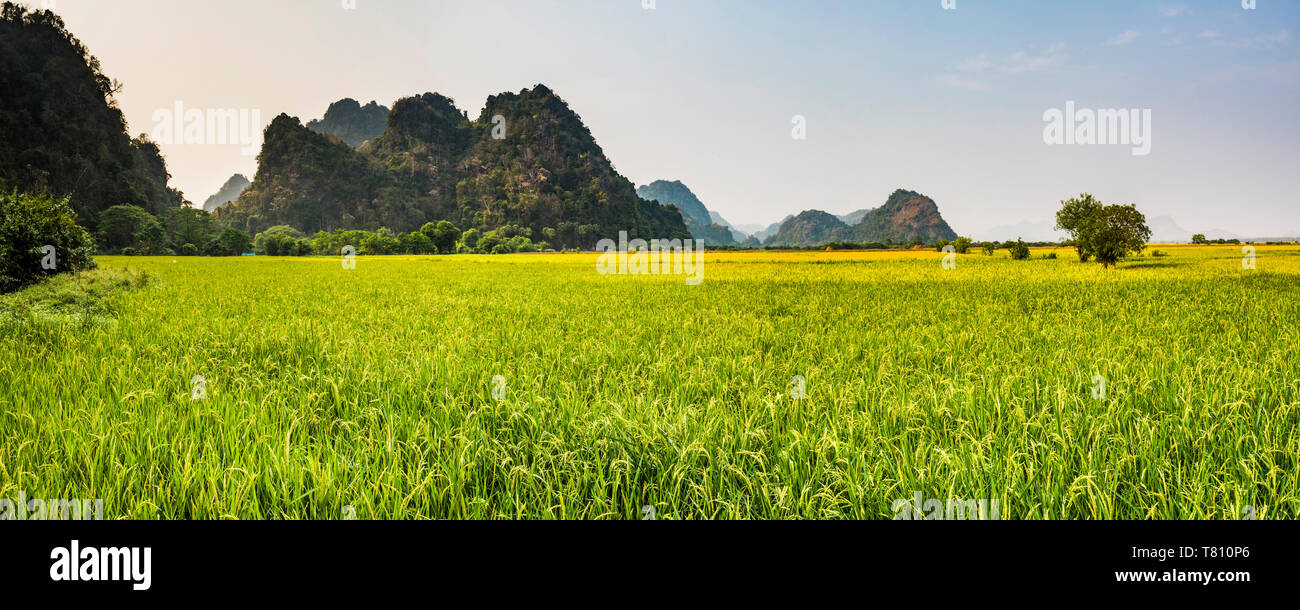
803	385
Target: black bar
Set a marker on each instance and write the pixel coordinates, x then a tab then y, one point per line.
955	559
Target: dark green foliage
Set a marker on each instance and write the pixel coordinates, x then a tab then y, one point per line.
444	236
1115	232
383	241
277	241
151	239
187	225
130	230
1072	218
434	163
1106	232
60	129
28	223
1019	250
149	177
119	225
352	122
231	242
417	242
962	244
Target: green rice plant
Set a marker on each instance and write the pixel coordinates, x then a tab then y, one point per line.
793	385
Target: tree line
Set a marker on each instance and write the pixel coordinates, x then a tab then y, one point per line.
131	231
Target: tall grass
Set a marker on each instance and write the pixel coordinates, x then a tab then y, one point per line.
333	392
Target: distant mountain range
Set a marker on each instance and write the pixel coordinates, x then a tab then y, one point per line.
699	219
905	216
230	191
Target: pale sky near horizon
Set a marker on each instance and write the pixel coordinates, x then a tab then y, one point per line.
896	93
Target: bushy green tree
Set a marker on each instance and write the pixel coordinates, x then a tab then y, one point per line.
280	240
962	244
1107	232
471	238
1116	231
187	225
419	243
383	241
489	242
119	225
1073	218
1019	251
231	242
29	223
151	239
444	236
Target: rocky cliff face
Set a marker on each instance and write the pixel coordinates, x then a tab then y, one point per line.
905	215
527	161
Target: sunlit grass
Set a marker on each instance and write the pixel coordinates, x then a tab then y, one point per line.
372	388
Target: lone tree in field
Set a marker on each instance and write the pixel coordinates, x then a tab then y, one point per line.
1105	232
1072	218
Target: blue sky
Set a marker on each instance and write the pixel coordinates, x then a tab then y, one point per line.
896	93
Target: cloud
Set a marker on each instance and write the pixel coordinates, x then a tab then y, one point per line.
1262	41
1173	11
1208	34
1123	39
975	64
957	81
1016	63
1020	61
